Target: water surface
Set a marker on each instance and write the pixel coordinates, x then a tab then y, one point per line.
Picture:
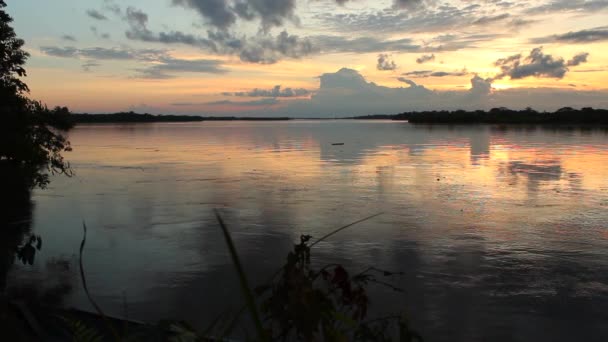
501	231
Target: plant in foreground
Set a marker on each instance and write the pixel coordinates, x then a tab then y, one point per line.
298	303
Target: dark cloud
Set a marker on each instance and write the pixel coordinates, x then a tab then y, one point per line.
408	81
578	59
261	49
267	49
430	73
66	52
410	4
217	12
425	58
412	84
104	53
136	18
276	91
519	22
68	37
261	102
397	4
166	67
576	37
87	66
272	13
418	73
536	64
385	62
432	19
487	20
223	14
95	14
111	7
99	34
569	6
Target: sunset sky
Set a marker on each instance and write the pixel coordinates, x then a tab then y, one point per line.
314	58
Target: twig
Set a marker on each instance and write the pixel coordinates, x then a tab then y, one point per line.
86	288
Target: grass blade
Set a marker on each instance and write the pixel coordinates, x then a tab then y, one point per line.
344	227
243	279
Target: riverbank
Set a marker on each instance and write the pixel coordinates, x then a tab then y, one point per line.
563	116
132	117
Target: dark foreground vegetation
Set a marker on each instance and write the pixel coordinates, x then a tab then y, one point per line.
131	117
299	302
563	116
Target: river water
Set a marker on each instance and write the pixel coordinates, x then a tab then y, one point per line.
501	232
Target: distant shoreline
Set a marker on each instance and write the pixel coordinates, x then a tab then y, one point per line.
149	118
563	116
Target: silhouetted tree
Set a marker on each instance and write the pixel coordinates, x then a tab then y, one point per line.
31	143
31	139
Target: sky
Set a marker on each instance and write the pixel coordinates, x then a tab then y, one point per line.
314	58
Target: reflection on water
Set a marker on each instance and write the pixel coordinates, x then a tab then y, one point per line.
501	232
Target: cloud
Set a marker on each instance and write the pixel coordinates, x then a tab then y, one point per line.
578	59
99	34
425	58
261	49
480	86
276	91
261	102
66	52
341	44
223	14
136	18
536	64
166	67
418	73
159	65
111	7
272	13
433	18
95	14
87	66
519	22
411	83
347	93
217	12
576	37
487	20
569	6
68	37
268	49
409	4
369	44
104	53
431	73
385	62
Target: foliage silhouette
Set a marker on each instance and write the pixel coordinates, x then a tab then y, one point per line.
131	117
298	303
307	304
31	139
563	116
31	143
